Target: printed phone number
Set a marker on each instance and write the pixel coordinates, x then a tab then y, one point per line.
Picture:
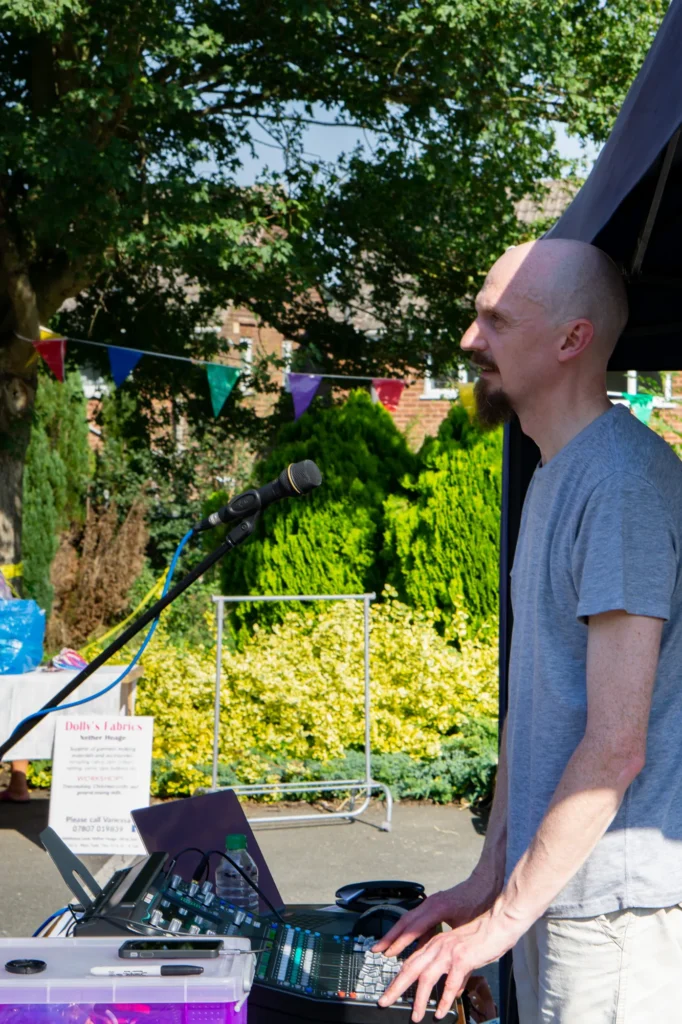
97	828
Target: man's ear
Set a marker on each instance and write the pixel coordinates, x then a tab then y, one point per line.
579	335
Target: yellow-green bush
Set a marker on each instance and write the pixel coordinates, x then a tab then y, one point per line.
297	690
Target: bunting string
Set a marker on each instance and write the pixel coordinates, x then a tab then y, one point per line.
221	378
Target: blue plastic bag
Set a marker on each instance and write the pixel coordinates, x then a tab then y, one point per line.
22	628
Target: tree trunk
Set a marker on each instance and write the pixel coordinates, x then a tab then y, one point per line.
18	373
17	393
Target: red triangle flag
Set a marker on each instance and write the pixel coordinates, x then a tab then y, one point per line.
53	351
389	392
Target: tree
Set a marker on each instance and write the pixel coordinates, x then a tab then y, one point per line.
330	542
58	470
442	541
124	126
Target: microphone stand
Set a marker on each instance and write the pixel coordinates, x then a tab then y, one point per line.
236	536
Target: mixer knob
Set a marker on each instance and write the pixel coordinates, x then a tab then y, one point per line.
209	898
194	929
175	925
157	918
206	887
193	889
176	881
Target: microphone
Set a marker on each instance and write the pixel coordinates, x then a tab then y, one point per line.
297	479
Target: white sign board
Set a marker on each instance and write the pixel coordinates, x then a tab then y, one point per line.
101	771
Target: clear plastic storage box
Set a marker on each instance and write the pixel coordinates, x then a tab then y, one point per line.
67	993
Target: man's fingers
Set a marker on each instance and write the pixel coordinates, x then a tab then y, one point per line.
422	919
409	936
453	987
409	973
390	937
427	980
426	937
416	921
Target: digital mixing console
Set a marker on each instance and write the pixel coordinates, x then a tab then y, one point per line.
309	964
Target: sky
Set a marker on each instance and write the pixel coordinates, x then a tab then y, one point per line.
327	144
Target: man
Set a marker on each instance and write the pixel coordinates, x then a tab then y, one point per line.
581	871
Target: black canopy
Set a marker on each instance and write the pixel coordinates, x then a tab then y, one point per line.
630	206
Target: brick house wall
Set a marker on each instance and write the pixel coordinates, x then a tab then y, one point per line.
419	414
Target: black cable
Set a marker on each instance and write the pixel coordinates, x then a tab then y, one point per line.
188	849
250	882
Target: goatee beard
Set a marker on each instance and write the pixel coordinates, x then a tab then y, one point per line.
493	408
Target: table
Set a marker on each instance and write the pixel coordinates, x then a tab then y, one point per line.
22	694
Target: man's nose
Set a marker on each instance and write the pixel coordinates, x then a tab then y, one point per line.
472	339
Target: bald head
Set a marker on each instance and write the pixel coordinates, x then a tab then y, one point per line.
570	280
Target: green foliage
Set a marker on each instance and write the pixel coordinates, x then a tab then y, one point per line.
296	692
56	475
43	476
172	477
137	119
39	773
464	770
443	539
331	541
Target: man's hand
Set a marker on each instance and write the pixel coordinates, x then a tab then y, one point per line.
455	954
456	906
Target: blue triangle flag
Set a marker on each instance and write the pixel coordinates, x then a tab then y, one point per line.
122	361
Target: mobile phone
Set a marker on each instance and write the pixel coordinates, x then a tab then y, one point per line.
168	949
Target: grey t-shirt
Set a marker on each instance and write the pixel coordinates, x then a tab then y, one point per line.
601	530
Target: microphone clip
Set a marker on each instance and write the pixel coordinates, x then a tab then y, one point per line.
240	507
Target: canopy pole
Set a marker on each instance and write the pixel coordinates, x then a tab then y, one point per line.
643	240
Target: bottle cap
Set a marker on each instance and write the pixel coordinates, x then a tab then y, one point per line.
235	842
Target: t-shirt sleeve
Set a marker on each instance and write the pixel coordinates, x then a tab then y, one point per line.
625	553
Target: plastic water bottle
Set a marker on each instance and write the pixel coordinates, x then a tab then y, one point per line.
232	886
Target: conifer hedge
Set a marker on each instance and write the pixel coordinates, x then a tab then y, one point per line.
56	474
442	536
330	542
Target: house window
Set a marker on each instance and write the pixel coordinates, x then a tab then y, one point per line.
94	384
440	387
287	356
246	363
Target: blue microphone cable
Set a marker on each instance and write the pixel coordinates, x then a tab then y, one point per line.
150	634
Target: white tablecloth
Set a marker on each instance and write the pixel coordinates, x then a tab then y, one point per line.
22	694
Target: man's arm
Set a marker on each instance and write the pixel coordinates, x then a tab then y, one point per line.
471	898
622	657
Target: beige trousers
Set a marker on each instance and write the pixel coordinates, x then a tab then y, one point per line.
620	968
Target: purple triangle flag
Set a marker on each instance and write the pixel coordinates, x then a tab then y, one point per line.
303	388
122	362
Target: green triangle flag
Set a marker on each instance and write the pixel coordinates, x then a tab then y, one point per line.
221	380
